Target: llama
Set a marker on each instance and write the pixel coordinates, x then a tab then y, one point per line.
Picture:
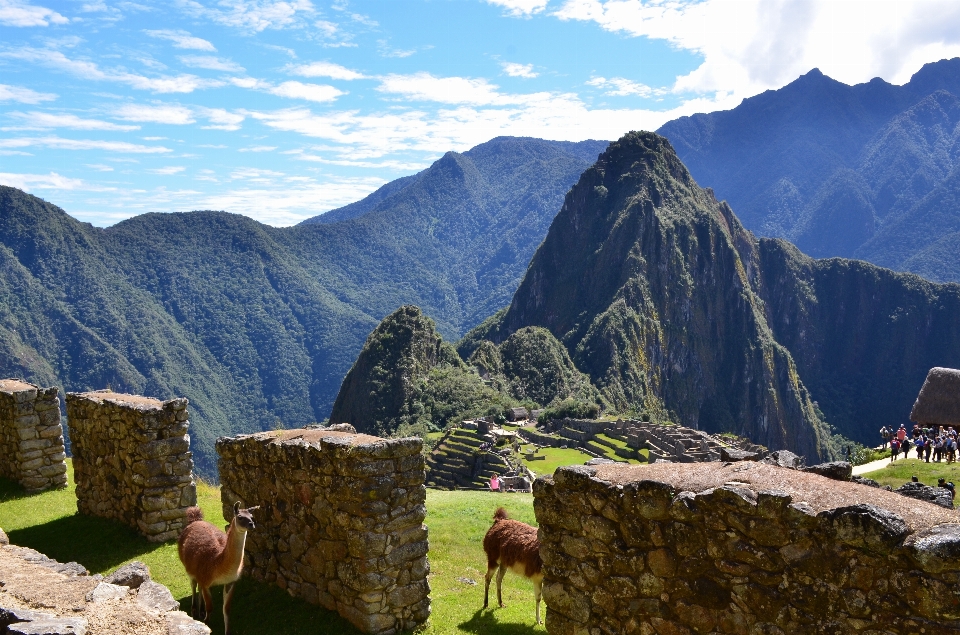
511	544
213	558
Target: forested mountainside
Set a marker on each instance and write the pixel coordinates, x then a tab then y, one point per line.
257	325
870	171
669	305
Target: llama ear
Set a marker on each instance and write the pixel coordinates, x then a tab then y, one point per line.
253	509
236	508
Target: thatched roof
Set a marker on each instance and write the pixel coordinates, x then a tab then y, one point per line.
517	414
939	399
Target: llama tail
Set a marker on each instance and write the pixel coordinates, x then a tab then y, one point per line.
193	515
500	514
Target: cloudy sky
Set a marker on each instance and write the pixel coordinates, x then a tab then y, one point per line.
281	110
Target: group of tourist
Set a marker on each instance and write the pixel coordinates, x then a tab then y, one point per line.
940	443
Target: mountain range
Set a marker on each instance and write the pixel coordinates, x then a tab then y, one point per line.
867	171
670	307
258	325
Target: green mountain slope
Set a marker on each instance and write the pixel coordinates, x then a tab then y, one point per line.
258	325
670	306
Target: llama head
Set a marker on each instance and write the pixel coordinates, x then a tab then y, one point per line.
243	517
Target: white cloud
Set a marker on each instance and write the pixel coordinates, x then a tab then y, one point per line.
323	69
258	149
292	90
211	63
520	7
80	144
251	15
446	90
621	87
753	45
220	119
168	171
309	92
23	95
89	70
33	182
99	167
171	114
519	70
182	39
19	13
44	120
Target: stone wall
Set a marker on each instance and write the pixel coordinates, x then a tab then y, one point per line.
31	437
132	460
340	520
742	548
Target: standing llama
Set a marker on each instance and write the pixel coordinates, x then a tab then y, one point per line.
214	558
511	544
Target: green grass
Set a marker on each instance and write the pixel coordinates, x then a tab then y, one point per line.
617	442
901	471
457	521
555	458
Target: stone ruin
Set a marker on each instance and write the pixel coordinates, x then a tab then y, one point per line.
132	460
466	456
340	522
742	548
31	436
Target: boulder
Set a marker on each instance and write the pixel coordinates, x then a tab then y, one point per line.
156	596
130	575
106	591
869	482
784	458
936	495
837	470
3	538
599	461
26	622
728	455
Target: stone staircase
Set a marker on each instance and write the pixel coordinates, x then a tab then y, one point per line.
458	462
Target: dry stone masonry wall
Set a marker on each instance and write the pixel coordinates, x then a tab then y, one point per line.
132	460
340	520
31	436
742	548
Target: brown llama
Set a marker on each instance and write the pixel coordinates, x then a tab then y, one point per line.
213	558
511	544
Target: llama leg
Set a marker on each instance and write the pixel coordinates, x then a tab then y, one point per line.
227	599
207	603
500	572
538	593
194	605
486	588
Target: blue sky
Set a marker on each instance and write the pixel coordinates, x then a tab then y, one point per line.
281	110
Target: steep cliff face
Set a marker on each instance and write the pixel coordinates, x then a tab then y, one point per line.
650	283
863	337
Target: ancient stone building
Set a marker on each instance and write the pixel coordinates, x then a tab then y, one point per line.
31	437
132	460
741	548
340	520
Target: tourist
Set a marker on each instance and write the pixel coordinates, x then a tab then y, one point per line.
938	449
927	448
494	483
894	449
919	443
884	437
901	433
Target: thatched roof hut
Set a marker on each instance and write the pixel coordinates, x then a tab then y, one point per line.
939	400
517	414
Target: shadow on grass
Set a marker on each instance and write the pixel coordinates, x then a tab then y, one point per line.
82	539
263	609
11	491
484	621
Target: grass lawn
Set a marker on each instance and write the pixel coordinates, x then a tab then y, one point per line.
901	471
457	521
555	458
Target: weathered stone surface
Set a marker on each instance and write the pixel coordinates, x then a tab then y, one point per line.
340	521
3	538
31	447
736	559
106	591
156	596
936	495
837	470
130	575
132	460
869	482
733	454
50	626
784	458
179	623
